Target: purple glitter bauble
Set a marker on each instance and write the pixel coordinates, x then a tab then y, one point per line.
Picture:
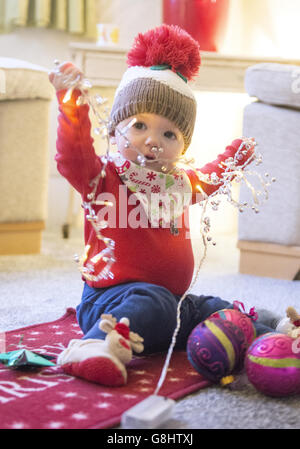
273	365
216	348
240	319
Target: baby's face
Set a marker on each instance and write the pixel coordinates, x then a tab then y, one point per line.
155	137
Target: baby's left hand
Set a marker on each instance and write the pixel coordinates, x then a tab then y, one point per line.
248	147
249	144
246	150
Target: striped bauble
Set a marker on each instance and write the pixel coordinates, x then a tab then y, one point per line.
216	348
240	319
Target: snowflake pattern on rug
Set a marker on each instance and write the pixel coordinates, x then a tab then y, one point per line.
49	399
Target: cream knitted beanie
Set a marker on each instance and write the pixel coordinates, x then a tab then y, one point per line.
160	62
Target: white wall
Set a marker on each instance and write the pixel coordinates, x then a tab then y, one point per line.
255	27
37	45
131	16
263	28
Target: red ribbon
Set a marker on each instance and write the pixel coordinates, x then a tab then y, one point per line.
252	314
296	323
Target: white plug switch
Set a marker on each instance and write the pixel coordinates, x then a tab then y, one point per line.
150	413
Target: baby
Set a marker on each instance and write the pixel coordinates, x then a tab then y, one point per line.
151	123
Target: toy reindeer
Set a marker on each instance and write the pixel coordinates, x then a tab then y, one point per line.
103	361
290	324
295	322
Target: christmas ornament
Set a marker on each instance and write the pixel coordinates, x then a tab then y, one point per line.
241	319
216	348
273	365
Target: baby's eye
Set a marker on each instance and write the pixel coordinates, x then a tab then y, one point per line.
139	125
170	135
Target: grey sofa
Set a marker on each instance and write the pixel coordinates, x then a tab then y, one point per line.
25	95
269	241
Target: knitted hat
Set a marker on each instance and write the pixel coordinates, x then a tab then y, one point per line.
160	63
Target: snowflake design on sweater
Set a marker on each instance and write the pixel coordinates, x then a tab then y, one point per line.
151	176
155	189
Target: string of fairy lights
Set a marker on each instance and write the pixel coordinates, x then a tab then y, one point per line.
232	170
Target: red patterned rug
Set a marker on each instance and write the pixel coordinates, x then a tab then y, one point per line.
46	398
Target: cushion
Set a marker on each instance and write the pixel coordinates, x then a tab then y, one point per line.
277	84
277	133
24	159
23	80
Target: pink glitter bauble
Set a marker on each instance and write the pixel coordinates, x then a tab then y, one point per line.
240	319
273	365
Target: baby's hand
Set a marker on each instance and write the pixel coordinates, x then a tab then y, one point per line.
246	150
248	147
65	75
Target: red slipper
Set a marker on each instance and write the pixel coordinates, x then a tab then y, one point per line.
102	361
101	370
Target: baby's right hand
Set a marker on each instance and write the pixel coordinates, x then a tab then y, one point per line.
65	75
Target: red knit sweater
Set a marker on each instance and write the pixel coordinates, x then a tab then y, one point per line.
148	254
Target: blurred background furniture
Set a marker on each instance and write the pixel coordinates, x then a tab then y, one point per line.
269	241
24	125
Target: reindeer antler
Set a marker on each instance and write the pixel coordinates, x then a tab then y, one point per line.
292	314
109	317
136	342
135	338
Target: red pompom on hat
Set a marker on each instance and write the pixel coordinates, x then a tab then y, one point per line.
160	64
167	44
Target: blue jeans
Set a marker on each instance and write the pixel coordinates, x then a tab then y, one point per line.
151	310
